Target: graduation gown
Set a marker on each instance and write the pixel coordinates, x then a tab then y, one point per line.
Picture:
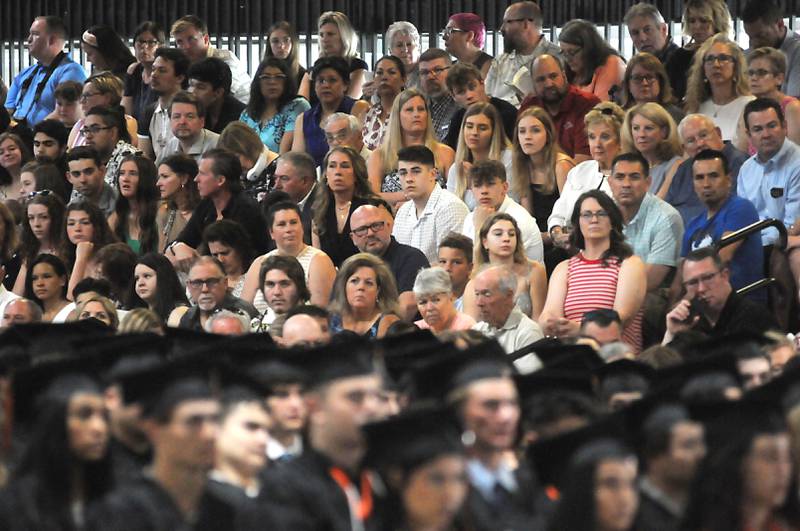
518	514
301	495
127	464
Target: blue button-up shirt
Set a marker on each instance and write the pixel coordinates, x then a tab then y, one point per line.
25	104
773	187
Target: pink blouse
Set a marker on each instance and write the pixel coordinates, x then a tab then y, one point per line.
610	74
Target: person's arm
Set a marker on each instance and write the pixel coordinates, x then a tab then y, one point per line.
375	170
320	279
563	168
608	75
359	110
356	80
386	322
445	155
631	288
19	283
470	305
553	310
132	126
174	319
305	87
315	241
538	289
676	320
408	305
299	140
83	254
662	192
792	209
251	281
656	273
792	113
146	147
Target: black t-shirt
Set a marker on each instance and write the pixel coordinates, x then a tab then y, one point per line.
142	96
240	208
230	112
405	262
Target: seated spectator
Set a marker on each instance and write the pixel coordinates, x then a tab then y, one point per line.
433	66
698	132
770	179
592	64
764	25
284	45
104	131
102	89
210	82
710	304
465	83
372	233
87	233
228	323
116	263
431	212
147	38
209	290
509	76
754	366
480	139
42	232
170	68
649	129
191	36
46	285
67	110
228	242
364	297
489	185
156	283
702	19
308	133
50	142
766	72
724	213
282	285
179	196
646	81
539	168
221	198
274	105
604	274
14	154
295	174
254	156
604	326
37	177
390	79
464	36
100	308
455	257
414	129
134	217
652	227
31	107
500	317
187	122
345	187
286	228
86	172
434	296
717	86
344	130
499	242
19	311
106	51
298	327
566	104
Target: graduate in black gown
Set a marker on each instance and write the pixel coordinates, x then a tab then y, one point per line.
326	487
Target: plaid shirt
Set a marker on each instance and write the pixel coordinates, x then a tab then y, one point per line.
442	110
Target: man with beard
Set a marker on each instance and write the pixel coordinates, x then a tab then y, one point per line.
566	104
168	78
433	67
104	130
522	43
187	116
50	142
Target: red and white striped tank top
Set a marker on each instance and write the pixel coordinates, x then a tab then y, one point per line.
591	286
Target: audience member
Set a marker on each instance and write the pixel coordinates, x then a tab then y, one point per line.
187	116
763	23
390	79
228	242
592	64
455	257
281	281
646	81
464	36
603	325
433	292
433	66
403	41
103	89
147	38
20	311
284	44
86	176
210	82
178	190
106	51
295	175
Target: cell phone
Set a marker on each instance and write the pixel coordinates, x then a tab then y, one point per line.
697	308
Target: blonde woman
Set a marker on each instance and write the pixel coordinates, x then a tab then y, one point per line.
338	38
539	167
649	129
409	125
481	138
102	89
717	85
702	19
500	243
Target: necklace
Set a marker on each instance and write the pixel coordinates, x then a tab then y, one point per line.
344	209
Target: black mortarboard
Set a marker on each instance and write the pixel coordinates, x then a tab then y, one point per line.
401	353
549	380
732	344
114	355
185	341
673	378
624	367
555	354
339	359
438	377
50	341
412	438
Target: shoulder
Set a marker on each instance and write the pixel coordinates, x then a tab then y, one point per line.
633	263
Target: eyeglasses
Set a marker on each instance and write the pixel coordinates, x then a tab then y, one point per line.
705	279
86	95
722	58
339	136
39	192
374	227
436	71
198	283
571	54
146	43
639	79
588	215
92	130
449	31
759	73
270	77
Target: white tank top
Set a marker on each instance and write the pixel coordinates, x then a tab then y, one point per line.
304	258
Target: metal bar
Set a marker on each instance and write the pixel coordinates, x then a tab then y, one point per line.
758	226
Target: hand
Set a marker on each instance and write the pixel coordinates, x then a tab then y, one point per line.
465	167
181	255
565	327
368	89
560	237
83	251
481	214
676	319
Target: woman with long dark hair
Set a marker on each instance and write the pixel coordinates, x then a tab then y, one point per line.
390	78
284	44
66	465
228	242
156	283
134	218
42	231
106	51
604	273
592	65
179	196
87	232
10	258
46	285
14	153
274	104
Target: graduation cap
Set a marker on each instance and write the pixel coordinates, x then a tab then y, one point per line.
438	377
339	359
115	355
550	380
184	341
624	367
555	354
412	438
45	341
401	353
736	344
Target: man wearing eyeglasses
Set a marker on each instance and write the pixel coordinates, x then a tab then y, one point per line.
372	233
208	288
344	130
433	66
102	132
763	23
523	41
710	304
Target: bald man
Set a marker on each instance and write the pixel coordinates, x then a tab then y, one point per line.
372	233
303	330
